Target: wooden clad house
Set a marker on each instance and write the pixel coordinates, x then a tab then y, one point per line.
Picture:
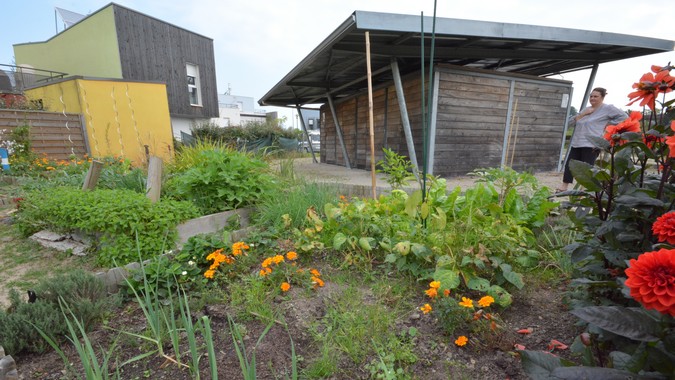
492	102
116	42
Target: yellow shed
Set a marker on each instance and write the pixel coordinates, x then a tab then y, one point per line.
121	118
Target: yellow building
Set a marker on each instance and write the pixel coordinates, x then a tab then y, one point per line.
121	118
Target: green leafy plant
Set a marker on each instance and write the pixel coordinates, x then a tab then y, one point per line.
398	169
465	240
221	180
114	216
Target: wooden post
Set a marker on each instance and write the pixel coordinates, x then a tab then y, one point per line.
154	185
515	140
370	117
92	175
508	143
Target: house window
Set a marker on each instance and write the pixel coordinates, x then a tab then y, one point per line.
194	87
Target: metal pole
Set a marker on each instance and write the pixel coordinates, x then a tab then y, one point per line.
432	125
304	128
338	129
371	128
404	116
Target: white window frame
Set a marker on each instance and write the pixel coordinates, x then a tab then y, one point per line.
194	84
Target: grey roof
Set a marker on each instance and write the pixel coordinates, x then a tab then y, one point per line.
338	65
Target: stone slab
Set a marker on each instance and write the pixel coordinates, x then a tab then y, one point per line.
210	223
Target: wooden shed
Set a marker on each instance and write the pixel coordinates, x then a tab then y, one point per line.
494	100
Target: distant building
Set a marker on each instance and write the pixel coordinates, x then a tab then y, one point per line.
237	110
119	43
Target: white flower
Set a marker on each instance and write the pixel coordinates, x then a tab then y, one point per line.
184	273
191	263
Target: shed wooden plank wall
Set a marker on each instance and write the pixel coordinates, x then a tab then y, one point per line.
51	133
472	122
353	117
152	50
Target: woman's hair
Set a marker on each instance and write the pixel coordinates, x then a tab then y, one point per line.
601	90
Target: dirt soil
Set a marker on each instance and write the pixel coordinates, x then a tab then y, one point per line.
539	308
438	358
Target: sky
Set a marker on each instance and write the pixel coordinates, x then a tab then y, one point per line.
257	42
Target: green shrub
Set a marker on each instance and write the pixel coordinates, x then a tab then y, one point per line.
221	180
16	332
116	217
85	295
236	134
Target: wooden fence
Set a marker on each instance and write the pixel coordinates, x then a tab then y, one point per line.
52	134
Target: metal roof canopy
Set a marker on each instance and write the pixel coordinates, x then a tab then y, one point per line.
337	67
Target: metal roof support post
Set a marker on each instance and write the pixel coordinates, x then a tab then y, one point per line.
338	129
587	94
304	128
507	128
432	126
564	134
404	116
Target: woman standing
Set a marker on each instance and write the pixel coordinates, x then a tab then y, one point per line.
591	121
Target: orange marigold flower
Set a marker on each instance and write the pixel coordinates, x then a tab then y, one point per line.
278	259
461	341
209	273
486	301
292	255
446	292
214	254
651	280
632	124
664	228
239	247
466	302
431	292
267	262
49	168
315	273
285	286
426	309
435	284
318	282
262	273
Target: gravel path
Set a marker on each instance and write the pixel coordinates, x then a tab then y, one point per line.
306	168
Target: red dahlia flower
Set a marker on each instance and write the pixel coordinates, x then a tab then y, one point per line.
651	280
632	124
650	85
664	228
